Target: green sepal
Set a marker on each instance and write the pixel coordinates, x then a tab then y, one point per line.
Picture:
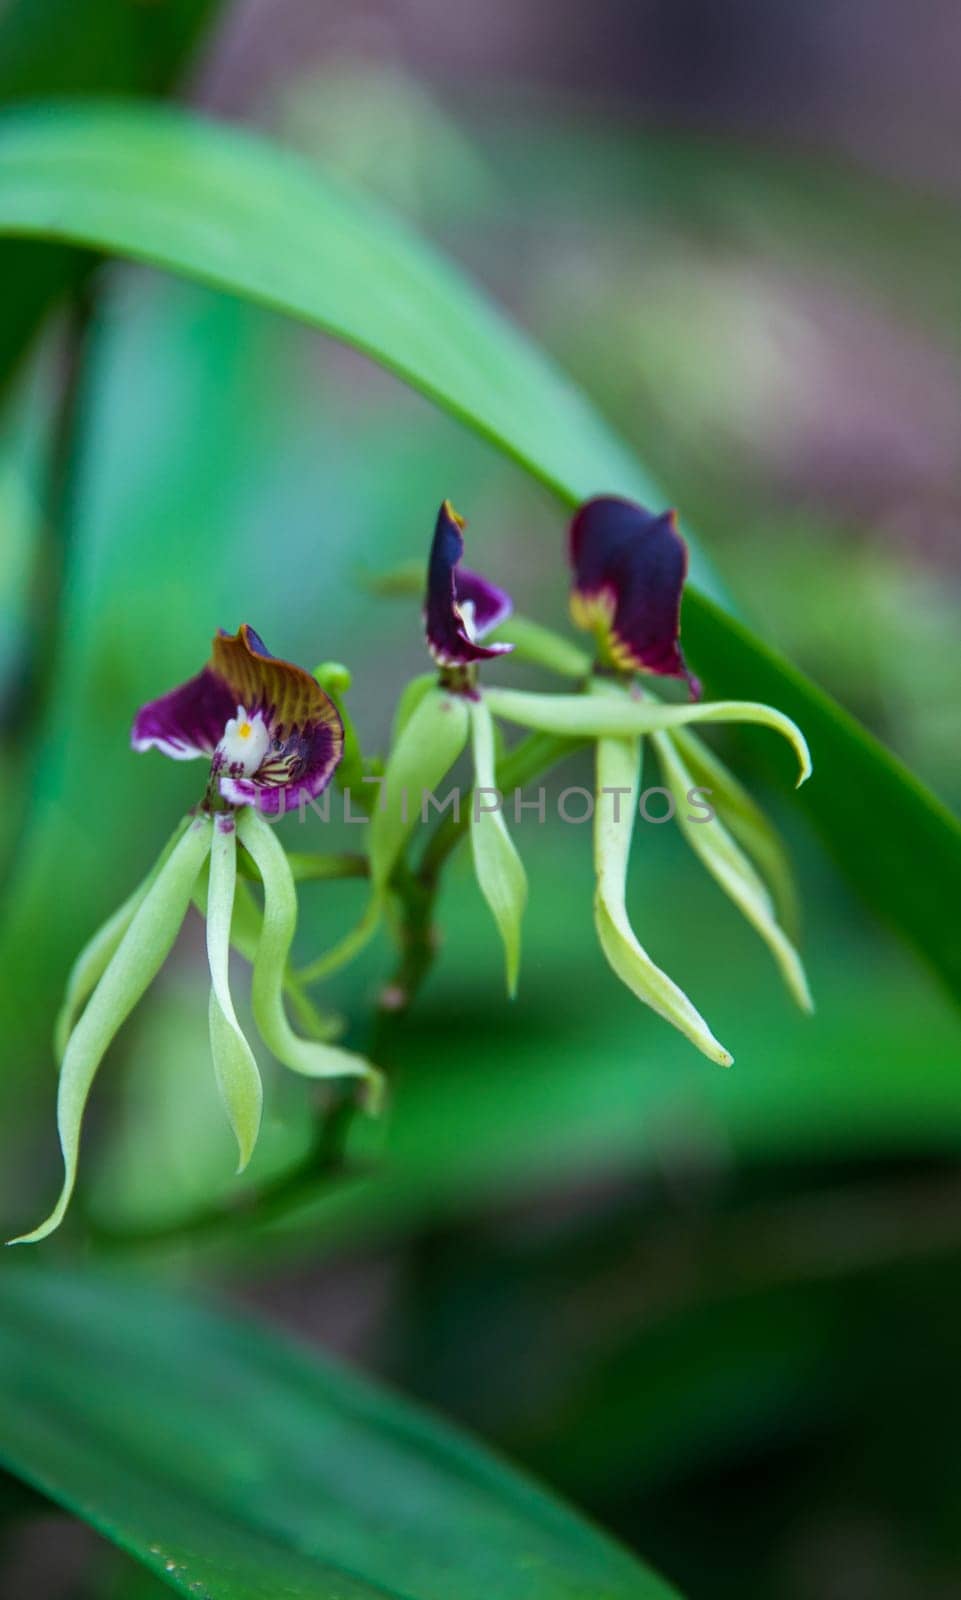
235	1068
307	1056
94	958
410	698
423	755
743	817
346	949
131	969
626	713
497	865
618	768
245	927
730	867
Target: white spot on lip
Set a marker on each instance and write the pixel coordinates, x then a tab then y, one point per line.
245	743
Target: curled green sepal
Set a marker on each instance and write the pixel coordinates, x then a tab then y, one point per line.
245	929
94	958
425	751
499	869
743	817
627	713
130	971
307	1056
730	867
238	1078
618	782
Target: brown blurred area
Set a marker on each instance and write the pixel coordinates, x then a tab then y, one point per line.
875	80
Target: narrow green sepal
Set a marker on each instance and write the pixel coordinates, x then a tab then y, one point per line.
307	1056
426	750
94	958
497	865
131	969
743	817
618	769
245	927
730	867
410	698
235	1068
625	713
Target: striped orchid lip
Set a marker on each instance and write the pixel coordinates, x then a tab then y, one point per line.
273	736
630	565
460	607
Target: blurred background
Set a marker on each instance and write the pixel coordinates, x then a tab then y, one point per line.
719	1311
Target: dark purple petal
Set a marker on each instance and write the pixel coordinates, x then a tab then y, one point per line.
629	571
298	772
460	606
188	721
492	605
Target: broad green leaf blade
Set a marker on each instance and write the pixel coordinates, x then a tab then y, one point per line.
229	210
238	1466
69	47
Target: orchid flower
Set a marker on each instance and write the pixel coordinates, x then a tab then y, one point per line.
629	571
272	738
435	719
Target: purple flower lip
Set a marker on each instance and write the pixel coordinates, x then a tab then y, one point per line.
460	606
273	736
629	570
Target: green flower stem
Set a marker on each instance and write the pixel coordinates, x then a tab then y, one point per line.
132	968
416	887
312	866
